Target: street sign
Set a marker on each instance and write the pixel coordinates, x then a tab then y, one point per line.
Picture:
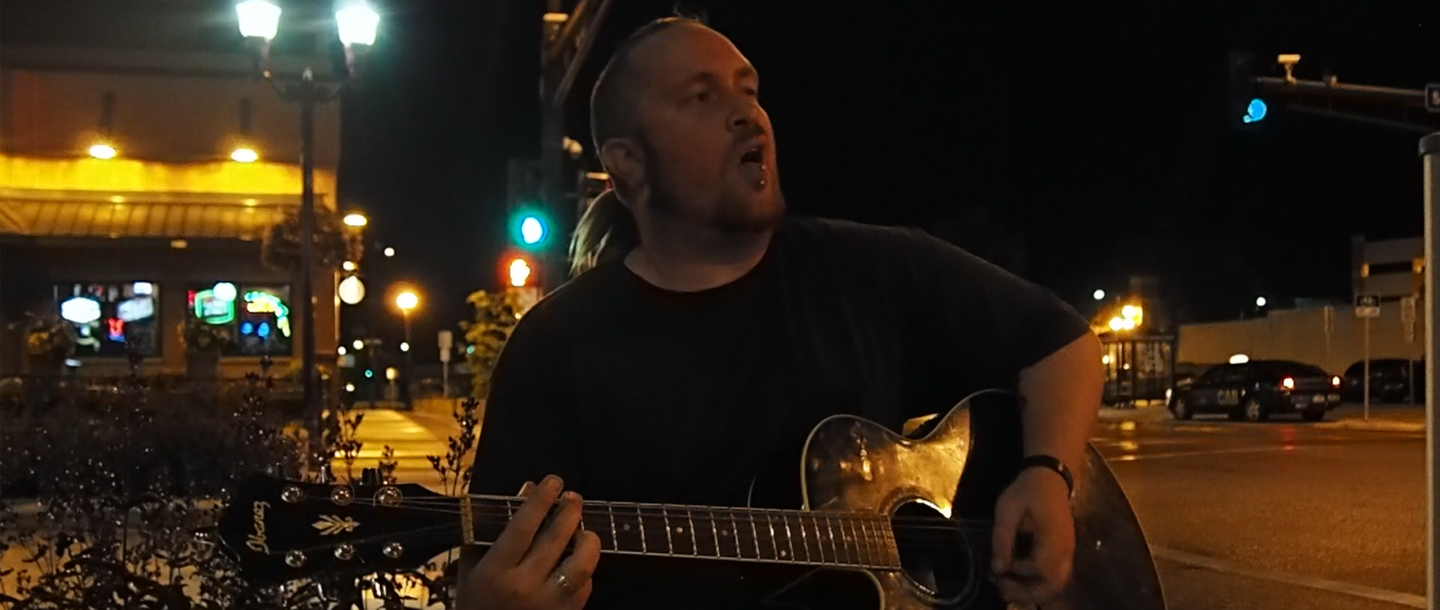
1367	306
1432	97
447	341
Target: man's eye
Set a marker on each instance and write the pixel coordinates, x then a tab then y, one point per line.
703	96
752	93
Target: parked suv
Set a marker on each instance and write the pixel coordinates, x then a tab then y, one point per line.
1389	380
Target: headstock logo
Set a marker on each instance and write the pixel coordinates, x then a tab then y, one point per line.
256	540
330	525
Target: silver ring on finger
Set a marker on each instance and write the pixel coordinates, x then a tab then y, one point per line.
562	581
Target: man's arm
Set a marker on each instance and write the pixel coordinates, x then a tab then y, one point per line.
1000	330
1062	401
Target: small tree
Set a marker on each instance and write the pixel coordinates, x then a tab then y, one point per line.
281	248
495	316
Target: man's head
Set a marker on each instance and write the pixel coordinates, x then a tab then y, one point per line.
679	128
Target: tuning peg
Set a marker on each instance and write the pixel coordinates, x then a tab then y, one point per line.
370	476
295	559
342	495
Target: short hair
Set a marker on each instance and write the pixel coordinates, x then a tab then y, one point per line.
607	229
613	101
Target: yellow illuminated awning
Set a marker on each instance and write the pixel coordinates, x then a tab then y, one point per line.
131	176
138	199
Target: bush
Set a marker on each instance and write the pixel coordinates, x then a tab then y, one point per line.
122	486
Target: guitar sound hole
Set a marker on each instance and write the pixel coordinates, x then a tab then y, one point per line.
936	553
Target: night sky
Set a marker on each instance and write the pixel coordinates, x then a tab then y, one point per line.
1077	145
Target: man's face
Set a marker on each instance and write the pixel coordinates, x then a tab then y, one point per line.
708	152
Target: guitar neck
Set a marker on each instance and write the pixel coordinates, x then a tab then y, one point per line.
791	537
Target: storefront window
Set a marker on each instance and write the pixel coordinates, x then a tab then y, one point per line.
112	318
257	316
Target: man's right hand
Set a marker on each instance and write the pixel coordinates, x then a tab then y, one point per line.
523	570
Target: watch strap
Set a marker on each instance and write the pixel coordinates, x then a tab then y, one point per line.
1053	463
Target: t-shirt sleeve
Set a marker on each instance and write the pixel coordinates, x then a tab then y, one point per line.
526	431
980	322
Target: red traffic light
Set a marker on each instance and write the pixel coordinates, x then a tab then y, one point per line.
518	270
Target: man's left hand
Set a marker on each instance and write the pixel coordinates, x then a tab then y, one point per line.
1037	504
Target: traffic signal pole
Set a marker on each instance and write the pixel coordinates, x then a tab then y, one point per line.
1302	96
566	39
1430	152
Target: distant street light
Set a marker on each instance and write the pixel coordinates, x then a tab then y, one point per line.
407	301
389	252
1260	301
244	155
356	219
1099	295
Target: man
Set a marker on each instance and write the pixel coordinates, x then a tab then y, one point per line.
708	333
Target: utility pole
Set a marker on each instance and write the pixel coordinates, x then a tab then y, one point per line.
1319	98
566	39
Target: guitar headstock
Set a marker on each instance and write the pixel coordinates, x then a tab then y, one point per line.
282	530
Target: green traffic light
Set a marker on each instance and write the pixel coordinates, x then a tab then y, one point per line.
531	229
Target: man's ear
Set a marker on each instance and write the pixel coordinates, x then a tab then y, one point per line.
624	161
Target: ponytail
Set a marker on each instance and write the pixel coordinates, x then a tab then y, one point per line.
606	231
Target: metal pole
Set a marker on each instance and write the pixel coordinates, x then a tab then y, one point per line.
409	361
1429	151
552	136
1366	397
309	93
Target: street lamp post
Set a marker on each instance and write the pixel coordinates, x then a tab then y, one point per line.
259	21
407	301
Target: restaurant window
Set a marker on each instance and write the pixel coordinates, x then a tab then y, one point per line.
112	318
257	316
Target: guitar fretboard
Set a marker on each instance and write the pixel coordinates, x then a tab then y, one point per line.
703	532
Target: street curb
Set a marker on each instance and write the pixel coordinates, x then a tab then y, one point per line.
1146	414
1374	425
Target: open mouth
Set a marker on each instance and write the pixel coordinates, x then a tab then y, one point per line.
754	155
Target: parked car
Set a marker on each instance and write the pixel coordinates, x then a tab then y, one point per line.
1389	380
1255	390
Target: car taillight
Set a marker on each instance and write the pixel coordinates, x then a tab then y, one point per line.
1335	381
1288	383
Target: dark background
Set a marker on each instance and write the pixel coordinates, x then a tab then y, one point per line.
1079	143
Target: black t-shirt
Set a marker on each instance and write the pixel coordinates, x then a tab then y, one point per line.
637	394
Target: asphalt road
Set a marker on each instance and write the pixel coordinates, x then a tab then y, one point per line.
1277	515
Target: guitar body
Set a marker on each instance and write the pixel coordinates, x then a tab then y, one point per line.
855	465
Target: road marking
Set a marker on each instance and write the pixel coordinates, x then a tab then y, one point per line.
1310	582
1174	454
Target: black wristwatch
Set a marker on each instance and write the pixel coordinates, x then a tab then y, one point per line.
1050	462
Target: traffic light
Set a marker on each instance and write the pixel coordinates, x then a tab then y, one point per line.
530	223
531	228
1247	107
518	270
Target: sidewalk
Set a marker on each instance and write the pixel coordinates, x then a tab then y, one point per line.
1383	418
413	434
1386	418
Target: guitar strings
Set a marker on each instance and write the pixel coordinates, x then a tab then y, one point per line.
675	512
874	520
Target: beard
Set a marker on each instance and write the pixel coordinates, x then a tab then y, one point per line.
729	215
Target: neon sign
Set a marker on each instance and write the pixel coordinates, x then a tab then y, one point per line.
212	309
258	302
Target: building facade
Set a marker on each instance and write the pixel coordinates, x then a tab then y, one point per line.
141	165
1332	335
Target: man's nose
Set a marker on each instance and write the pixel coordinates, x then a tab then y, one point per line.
744	113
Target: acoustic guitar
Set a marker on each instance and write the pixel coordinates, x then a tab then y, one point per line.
910	514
